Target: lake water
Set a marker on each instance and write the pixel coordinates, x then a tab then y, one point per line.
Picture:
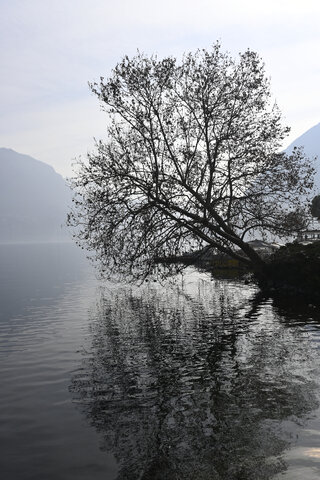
197	379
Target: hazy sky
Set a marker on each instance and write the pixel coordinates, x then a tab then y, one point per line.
50	49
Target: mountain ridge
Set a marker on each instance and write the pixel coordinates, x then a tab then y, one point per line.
34	200
310	141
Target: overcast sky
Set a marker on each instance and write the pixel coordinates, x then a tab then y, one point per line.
50	49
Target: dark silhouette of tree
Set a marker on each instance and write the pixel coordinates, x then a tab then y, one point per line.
192	159
315	207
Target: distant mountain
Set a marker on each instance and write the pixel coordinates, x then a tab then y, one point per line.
34	200
310	140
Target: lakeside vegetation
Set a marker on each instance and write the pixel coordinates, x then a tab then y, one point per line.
293	269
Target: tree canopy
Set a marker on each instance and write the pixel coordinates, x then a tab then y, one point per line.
192	159
315	207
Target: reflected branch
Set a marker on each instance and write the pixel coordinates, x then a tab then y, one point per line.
194	383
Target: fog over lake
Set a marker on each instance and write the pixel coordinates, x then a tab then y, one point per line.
201	378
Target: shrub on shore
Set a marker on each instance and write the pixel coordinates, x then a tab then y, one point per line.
294	268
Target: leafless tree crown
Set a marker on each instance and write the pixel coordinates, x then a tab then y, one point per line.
192	159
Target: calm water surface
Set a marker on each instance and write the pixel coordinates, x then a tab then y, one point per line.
197	379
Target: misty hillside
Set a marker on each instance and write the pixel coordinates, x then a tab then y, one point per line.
34	200
310	140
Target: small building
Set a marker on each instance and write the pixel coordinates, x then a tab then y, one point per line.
264	248
309	236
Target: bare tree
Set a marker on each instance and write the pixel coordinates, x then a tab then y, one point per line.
192	159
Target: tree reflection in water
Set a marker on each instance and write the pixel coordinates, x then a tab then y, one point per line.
196	381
